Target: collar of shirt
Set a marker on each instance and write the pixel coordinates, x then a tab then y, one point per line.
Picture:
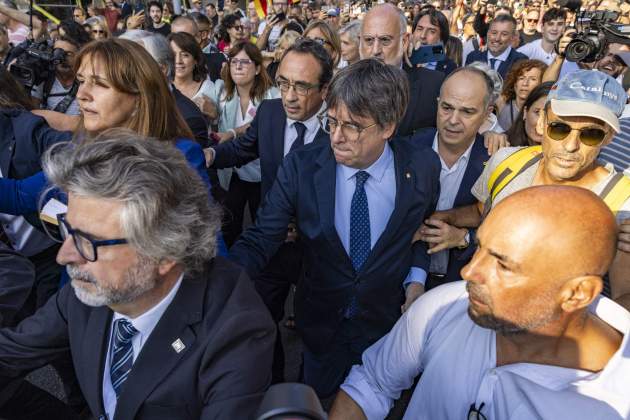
501	57
463	159
376	170
146	322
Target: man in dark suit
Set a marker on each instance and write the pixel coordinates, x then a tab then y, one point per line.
465	101
499	56
157	328
384	36
280	126
355	202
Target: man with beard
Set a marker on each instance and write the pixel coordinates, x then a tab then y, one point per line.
59	93
527	336
155	325
156	25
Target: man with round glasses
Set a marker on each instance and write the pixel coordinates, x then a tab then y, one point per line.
354	201
580	117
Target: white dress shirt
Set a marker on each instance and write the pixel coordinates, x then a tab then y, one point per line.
450	180
145	324
380	189
312	127
534	51
500	59
457	359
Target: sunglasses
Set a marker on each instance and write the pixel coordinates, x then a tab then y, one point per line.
98	31
238	28
557	130
532	20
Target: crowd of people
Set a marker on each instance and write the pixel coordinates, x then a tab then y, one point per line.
441	193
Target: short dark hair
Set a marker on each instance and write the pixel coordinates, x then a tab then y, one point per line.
371	89
314	48
189	44
75	31
436	18
554	13
154	3
503	19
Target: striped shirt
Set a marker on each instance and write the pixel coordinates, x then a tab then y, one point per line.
618	151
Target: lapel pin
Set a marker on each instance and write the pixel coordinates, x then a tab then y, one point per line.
407	175
178	346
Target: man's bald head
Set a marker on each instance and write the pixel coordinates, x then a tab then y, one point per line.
542	253
572	226
384	34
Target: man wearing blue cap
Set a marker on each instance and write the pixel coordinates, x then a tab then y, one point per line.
580	117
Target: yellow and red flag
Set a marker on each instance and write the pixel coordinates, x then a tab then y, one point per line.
261	6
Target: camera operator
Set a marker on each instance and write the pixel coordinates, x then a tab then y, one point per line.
59	92
611	64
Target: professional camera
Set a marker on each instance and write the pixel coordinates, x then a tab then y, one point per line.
596	30
35	62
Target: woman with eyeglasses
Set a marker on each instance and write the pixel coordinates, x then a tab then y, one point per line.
244	85
98	28
191	75
321	32
231	31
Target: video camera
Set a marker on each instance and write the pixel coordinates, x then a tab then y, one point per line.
35	62
595	30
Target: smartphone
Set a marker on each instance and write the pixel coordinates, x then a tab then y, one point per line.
281	16
428	54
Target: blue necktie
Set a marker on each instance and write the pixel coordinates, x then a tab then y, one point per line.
493	63
360	243
299	140
122	357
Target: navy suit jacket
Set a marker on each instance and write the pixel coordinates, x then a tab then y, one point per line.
221	373
193	116
424	89
305	190
447	66
505	66
478	157
264	139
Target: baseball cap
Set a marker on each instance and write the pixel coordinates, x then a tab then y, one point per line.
332	12
588	93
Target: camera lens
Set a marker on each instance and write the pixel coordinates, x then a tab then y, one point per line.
584	48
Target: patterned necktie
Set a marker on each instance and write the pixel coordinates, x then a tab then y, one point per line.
299	141
360	242
122	357
493	63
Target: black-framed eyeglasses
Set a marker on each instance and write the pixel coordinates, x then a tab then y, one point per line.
589	136
301	88
350	131
86	246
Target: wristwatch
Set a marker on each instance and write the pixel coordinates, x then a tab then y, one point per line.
466	241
